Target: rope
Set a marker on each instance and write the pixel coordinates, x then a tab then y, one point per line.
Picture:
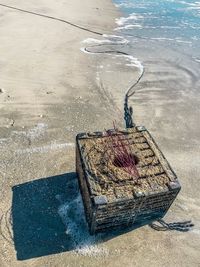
161	225
128	111
53	18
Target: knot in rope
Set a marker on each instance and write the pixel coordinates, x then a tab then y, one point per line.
128	112
161	225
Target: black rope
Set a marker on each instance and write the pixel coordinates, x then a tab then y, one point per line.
53	18
161	225
128	111
128	114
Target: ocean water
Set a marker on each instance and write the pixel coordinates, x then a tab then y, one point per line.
167	24
173	20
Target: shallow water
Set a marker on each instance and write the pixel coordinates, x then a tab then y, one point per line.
169	19
164	36
157	25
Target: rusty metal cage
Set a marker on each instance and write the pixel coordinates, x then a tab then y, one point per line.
112	197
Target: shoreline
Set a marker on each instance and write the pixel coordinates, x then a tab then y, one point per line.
50	91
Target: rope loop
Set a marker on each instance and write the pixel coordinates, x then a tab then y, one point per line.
161	225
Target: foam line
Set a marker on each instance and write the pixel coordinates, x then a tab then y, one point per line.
124	20
112	40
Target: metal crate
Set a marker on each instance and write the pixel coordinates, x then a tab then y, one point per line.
112	199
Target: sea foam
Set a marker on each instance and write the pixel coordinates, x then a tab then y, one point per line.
73	217
113	40
132	17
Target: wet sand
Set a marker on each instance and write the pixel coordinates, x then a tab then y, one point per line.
50	91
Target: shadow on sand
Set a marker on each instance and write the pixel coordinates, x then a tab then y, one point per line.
48	218
38	229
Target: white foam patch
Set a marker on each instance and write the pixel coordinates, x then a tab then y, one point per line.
85	51
37	131
128	27
195	38
96	41
182	41
93	251
162	39
124	20
169	27
192	6
73	217
107	39
197	60
129	4
194	27
114	40
195	5
45	149
34	133
126	5
134	62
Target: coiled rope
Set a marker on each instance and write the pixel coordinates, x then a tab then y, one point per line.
161	225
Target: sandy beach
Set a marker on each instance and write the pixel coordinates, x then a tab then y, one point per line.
50	90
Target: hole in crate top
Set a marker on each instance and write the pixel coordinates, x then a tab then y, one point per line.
125	160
